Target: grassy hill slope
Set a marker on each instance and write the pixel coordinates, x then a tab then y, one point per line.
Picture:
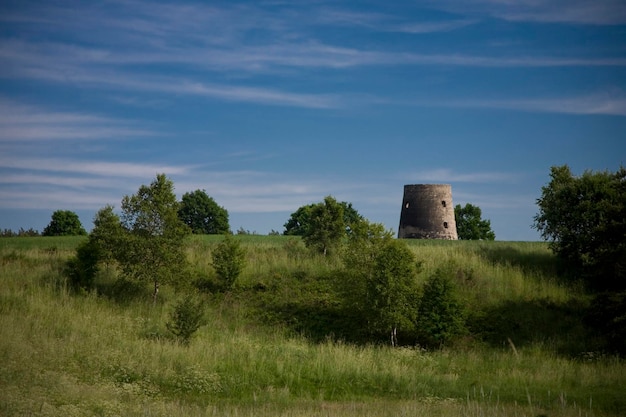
266	349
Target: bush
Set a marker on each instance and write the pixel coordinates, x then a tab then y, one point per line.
440	315
228	261
82	268
607	316
186	319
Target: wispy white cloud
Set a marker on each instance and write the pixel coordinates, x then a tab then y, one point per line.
446	175
496	201
381	22
598	12
84	167
217	39
57	198
593	104
430	27
19	122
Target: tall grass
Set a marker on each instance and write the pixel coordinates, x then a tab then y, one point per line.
67	354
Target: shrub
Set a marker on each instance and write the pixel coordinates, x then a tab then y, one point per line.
229	261
607	316
440	315
186	319
81	269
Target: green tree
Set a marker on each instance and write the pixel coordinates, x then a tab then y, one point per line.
470	226
379	280
584	219
351	217
107	234
151	249
363	244
440	315
103	245
326	226
229	259
186	319
64	223
300	220
391	291
202	214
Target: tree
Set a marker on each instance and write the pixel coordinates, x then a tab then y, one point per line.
379	280
300	220
108	234
440	315
202	214
391	290
351	217
228	261
470	226
151	247
326	226
64	223
584	219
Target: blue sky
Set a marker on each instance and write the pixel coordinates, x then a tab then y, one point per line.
270	105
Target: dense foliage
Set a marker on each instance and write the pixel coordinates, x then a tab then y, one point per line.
202	214
584	219
326	226
186	318
146	242
440	315
470	225
228	261
153	243
380	281
83	267
64	223
300	220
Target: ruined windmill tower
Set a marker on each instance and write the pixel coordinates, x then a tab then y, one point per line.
427	212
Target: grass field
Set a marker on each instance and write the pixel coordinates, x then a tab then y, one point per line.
101	354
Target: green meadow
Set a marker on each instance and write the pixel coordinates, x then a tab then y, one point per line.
279	345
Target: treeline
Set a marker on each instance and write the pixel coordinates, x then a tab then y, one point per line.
20	233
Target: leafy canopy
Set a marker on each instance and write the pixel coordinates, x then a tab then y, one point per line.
146	241
470	225
379	280
153	242
300	220
326	226
64	223
202	214
584	219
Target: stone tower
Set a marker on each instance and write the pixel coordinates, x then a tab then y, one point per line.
427	212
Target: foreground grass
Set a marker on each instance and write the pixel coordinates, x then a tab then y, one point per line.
63	354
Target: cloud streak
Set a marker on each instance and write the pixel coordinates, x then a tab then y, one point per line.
19	123
593	104
445	175
598	12
82	167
